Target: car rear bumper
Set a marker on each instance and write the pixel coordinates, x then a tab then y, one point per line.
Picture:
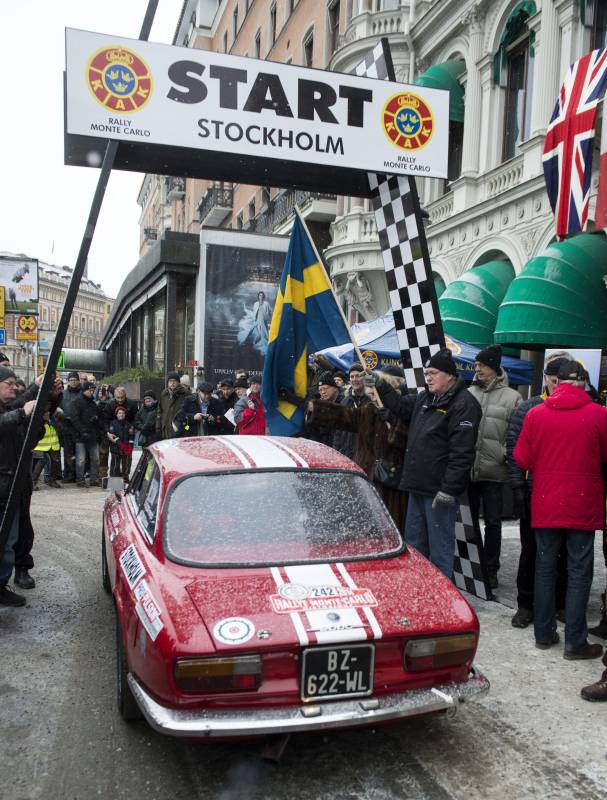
307	717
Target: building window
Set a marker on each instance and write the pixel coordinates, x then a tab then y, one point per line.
519	89
239	221
235	18
252	208
308	49
265	196
225	42
596	10
258	44
272	24
333	26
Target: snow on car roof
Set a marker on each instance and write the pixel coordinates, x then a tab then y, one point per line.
210	453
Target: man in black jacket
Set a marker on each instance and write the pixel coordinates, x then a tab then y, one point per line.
67	432
354	397
89	429
145	419
443	425
14	421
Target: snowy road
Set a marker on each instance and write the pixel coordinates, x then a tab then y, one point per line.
62	738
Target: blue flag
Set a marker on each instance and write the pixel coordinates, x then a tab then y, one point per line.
306	319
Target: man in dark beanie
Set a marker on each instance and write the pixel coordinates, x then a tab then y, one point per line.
171	402
67	432
522	484
328	391
443	423
490	472
145	419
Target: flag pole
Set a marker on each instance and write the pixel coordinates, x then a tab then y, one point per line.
322	266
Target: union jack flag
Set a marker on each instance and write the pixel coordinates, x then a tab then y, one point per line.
569	141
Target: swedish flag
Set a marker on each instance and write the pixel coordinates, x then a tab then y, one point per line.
306	319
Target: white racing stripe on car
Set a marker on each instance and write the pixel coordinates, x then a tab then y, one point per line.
368	612
349	626
264	453
295	617
301	462
238	453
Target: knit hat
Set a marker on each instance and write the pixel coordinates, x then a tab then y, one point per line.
571	371
204	387
341	375
241	383
149	393
491	356
4	358
172	376
393	369
119	408
443	361
73	375
6	373
553	367
356	367
87	385
326	379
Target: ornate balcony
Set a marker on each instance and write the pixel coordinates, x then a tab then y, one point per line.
313	205
504	177
215	205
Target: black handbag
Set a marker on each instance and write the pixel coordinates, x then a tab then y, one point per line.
386	473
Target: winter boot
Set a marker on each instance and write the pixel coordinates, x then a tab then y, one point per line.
10	598
23	579
600	630
596	692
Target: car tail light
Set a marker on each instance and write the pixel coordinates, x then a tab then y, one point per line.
238	674
442	651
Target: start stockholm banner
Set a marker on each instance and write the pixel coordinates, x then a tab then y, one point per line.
273	121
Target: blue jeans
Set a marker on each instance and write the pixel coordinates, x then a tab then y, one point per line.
432	531
580	563
8	559
92	448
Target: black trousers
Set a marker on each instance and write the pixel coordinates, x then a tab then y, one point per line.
525	577
491	493
68	441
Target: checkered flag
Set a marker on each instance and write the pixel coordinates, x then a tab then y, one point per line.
414	304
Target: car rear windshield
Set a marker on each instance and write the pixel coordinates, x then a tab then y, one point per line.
276	517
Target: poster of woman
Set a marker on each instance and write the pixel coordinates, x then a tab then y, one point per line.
255	324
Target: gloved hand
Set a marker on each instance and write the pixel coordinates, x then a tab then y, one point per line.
519	502
443	500
290	396
370	378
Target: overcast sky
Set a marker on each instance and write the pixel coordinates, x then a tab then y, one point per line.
44	204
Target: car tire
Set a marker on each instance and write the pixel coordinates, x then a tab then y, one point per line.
127	705
105	573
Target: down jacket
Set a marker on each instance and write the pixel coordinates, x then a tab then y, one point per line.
564	444
498	403
442	437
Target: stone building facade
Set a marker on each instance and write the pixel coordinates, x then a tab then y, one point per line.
503	60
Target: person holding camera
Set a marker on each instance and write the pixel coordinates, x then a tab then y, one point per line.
88	428
249	413
201	414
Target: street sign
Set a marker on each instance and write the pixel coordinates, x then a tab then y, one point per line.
27	328
2	335
61	360
192	362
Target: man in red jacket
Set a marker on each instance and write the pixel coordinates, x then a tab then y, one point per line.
564	444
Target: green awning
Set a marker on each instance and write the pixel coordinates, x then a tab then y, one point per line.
513	29
559	299
439	284
445	76
469	305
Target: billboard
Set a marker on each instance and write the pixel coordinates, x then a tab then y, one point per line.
241	283
19	278
214	115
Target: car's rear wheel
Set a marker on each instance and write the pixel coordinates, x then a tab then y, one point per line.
127	705
105	573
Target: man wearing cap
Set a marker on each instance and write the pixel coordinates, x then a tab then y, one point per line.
88	429
521	483
563	442
227	397
489	473
171	402
67	432
443	425
328	391
14	423
200	414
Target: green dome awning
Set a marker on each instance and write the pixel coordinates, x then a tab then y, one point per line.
439	284
469	305
560	298
445	76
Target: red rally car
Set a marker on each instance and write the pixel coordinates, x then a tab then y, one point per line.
261	587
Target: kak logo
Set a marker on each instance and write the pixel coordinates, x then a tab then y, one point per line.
119	80
408	121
